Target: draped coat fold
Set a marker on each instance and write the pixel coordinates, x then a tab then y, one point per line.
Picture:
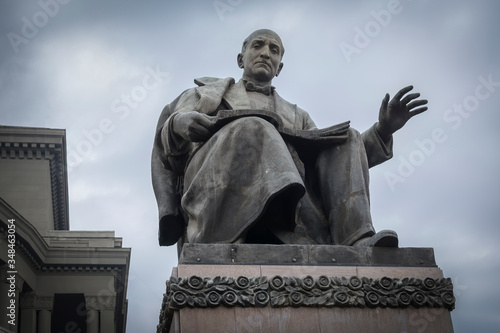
211	192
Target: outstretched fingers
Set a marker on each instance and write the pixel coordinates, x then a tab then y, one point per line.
409	98
385	102
414	104
417	111
402	92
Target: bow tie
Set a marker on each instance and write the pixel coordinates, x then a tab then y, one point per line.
250	86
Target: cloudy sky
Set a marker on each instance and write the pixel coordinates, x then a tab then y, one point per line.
103	70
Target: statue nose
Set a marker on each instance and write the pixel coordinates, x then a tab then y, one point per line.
265	53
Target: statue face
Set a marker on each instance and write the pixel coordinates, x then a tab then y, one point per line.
261	60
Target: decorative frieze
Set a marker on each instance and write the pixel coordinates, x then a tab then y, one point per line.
100	302
31	301
324	291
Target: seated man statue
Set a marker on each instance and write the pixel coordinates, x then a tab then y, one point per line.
233	162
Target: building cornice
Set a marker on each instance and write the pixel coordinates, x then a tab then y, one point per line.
44	258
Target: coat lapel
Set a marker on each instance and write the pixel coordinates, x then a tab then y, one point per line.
286	111
210	93
236	97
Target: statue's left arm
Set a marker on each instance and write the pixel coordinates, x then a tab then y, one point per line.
393	115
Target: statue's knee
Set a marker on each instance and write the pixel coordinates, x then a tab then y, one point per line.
251	127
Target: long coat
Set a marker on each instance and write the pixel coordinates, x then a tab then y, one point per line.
211	192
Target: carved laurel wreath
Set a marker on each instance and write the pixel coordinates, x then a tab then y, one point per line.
281	291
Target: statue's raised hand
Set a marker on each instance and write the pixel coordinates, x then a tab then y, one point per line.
395	113
193	126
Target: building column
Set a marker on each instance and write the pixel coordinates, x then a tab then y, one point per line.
44	321
100	313
28	312
108	320
93	306
28	318
92	321
45	305
30	305
108	303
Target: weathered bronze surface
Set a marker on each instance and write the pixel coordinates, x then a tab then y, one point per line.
233	162
298	255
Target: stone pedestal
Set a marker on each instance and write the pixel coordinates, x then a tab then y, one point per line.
295	288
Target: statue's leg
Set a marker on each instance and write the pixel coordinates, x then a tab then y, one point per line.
233	177
343	180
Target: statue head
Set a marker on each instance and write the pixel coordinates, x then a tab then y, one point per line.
261	56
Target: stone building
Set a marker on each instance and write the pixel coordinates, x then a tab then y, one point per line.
52	279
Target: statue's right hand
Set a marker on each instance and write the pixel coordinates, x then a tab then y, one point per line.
193	126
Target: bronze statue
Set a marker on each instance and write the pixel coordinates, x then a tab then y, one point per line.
233	162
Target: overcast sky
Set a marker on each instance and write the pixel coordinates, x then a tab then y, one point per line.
103	70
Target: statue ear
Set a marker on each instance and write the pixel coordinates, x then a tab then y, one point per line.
280	67
239	59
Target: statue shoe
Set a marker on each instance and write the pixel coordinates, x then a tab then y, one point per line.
383	238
